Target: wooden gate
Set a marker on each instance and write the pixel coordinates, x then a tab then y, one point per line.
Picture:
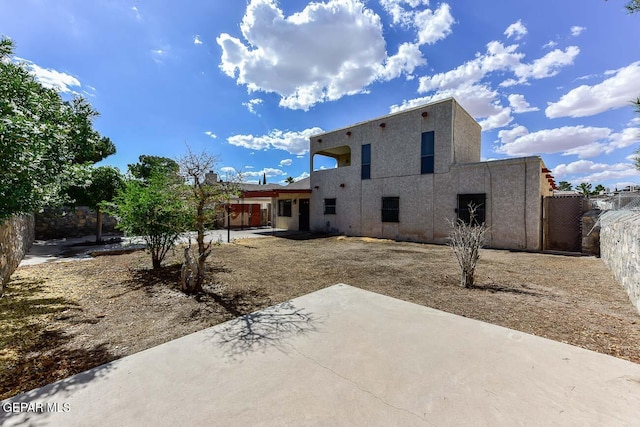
563	223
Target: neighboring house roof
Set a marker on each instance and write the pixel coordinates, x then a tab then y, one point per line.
273	190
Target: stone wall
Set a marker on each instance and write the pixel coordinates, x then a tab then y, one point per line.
620	249
591	232
70	222
16	237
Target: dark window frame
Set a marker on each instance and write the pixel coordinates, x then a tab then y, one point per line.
330	206
390	211
427	152
365	171
479	200
284	207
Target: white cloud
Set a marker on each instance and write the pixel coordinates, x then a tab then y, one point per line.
304	58
519	104
252	104
516	30
293	142
547	66
594	171
588	171
577	30
158	55
580	140
430	25
550	44
433	26
614	92
137	13
466	82
269	172
211	134
405	61
303	175
478	100
498	120
50	78
196	39
497	58
626	138
286	162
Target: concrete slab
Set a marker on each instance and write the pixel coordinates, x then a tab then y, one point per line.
344	356
72	248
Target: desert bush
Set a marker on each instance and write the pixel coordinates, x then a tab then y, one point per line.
466	240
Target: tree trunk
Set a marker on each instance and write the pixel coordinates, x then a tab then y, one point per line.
98	225
155	262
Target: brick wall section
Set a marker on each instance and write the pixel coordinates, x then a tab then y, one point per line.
70	222
620	249
16	237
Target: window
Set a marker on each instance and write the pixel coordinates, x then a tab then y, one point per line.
329	206
427	151
391	209
366	161
284	207
476	200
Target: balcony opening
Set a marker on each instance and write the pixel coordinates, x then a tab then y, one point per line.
332	158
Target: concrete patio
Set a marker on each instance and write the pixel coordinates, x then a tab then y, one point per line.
344	356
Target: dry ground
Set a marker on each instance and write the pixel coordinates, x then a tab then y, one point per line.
62	318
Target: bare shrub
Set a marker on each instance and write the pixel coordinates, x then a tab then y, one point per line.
466	239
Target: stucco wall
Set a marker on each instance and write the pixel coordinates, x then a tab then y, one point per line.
290	222
620	249
427	201
16	237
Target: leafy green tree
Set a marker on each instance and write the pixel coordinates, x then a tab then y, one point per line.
633	6
148	164
45	142
599	189
153	211
102	185
565	186
584	188
290	180
204	199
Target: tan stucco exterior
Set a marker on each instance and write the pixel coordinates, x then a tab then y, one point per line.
513	188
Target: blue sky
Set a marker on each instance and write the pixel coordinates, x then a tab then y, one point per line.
251	81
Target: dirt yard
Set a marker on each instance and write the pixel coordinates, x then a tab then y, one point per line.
59	319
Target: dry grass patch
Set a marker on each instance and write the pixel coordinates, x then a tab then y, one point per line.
60	319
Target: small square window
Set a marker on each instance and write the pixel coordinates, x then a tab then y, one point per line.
391	209
478	201
284	207
329	206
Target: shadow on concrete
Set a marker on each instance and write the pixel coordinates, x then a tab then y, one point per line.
262	330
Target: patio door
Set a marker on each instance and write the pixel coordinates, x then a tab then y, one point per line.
303	224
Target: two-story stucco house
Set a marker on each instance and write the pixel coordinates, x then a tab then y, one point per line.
405	175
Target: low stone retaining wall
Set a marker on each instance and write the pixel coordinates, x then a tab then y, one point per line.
70	222
16	237
620	249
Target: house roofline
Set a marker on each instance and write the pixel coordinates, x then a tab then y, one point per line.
429	104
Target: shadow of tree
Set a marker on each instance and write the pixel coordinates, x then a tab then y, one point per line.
493	288
148	278
296	235
268	328
58	392
34	341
